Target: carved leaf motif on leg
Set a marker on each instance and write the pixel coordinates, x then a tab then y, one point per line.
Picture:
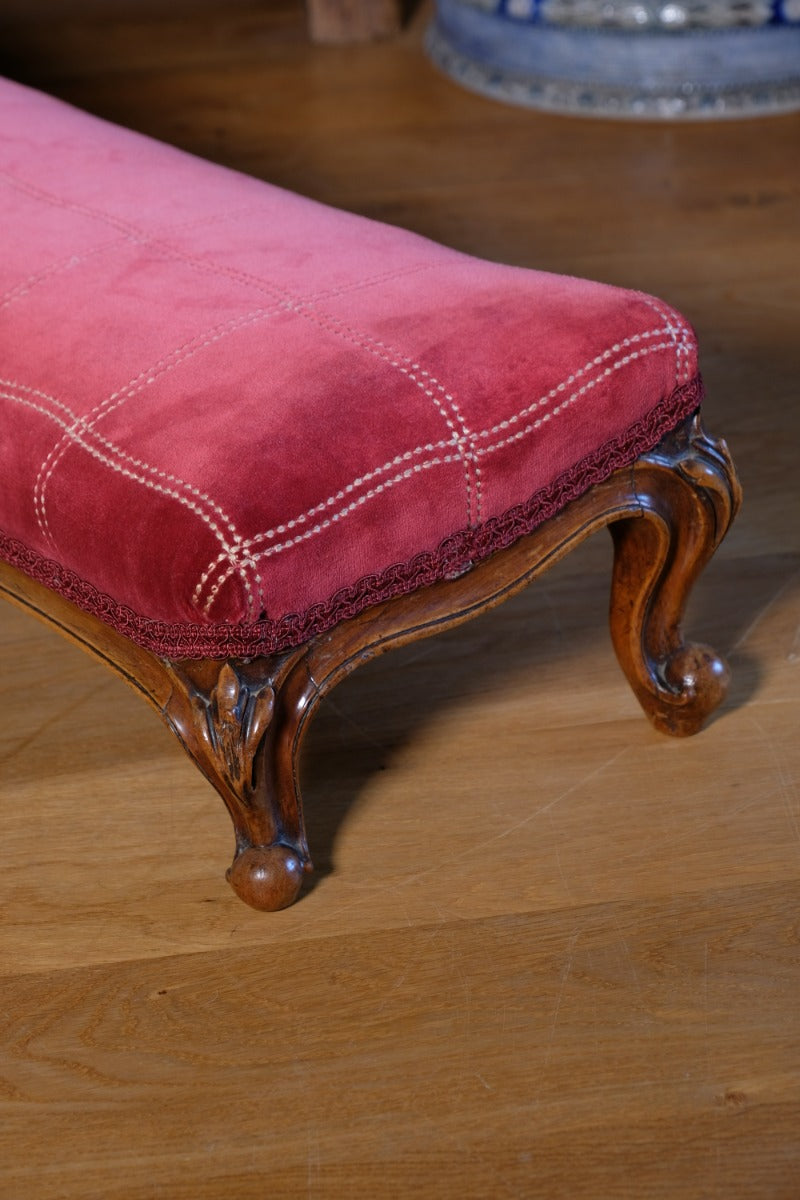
237	716
229	719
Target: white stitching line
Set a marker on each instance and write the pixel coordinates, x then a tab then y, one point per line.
145	378
31	391
157	244
86	424
363	341
54	268
277	293
561	387
318	509
598	360
243	277
665	315
675	325
157	241
130	389
142	236
419	467
24	286
73	430
393	358
38	193
356	285
586	387
94	453
148	374
115	400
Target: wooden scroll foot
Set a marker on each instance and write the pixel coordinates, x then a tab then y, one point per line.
688	495
243	721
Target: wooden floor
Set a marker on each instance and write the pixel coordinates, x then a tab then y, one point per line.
549	952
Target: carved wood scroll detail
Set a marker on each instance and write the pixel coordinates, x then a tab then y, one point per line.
705	462
688	493
237	715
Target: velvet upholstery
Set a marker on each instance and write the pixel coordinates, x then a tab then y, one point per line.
231	416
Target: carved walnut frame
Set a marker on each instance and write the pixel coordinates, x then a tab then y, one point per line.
243	720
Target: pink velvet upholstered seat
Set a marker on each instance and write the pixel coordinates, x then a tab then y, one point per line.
231	417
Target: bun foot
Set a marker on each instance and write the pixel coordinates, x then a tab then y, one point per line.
697	681
268	877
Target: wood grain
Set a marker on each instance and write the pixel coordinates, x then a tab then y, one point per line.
609	1009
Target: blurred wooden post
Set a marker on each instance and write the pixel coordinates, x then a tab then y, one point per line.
345	21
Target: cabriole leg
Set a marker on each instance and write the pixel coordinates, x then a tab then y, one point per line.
688	494
241	721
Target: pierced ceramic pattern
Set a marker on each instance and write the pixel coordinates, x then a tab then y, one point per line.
625	58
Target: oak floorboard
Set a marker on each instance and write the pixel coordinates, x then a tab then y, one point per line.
548	952
574	1050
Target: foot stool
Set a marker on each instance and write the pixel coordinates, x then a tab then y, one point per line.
248	442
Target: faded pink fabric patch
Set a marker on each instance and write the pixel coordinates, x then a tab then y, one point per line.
231	416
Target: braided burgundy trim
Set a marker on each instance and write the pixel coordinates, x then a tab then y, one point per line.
454	555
